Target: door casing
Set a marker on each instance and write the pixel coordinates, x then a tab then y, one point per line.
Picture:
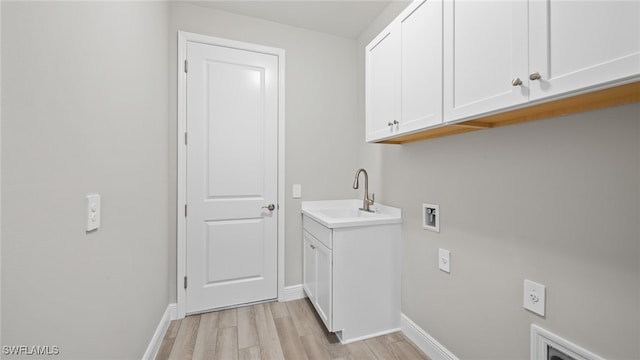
181	263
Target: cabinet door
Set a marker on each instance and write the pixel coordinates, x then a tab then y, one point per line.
578	44
309	266
421	65
324	292
485	49
382	98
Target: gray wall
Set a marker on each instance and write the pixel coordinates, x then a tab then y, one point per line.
84	110
555	201
322	128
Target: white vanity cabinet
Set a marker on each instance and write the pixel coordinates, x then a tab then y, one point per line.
501	54
404	73
351	275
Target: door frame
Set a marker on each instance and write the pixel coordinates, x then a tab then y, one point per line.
181	261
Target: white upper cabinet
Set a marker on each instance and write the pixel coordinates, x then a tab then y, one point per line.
404	73
485	54
578	44
382	83
499	54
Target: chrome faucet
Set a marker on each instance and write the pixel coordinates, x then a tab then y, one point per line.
366	202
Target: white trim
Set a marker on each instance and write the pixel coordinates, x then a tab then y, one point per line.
293	292
424	341
154	345
541	339
183	38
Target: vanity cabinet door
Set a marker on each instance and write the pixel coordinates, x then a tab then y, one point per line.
309	267
485	57
324	292
578	44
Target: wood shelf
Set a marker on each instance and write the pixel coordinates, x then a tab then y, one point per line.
613	96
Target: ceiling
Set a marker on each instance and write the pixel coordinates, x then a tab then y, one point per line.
346	18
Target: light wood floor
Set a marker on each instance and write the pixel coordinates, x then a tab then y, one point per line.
278	330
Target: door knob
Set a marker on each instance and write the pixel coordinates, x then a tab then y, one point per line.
535	76
269	207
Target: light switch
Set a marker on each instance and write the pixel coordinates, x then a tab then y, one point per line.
93	211
444	260
297	191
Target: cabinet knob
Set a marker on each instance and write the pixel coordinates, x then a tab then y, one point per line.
313	247
395	122
535	76
390	123
516	82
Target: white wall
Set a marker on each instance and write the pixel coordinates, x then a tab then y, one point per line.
322	128
555	201
84	110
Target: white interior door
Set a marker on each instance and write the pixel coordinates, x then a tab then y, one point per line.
231	175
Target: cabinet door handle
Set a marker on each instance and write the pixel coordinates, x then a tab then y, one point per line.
516	82
535	76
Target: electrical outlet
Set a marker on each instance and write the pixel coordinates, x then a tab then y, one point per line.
431	217
444	260
534	297
93	212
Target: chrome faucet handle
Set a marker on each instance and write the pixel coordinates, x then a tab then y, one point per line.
373	198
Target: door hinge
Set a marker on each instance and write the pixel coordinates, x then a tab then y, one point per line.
185	138
185	282
186	65
185	210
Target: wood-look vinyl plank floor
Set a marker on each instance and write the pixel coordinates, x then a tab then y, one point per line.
291	331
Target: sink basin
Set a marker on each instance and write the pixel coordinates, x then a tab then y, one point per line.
346	213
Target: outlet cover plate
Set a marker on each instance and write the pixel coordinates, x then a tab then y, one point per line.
534	297
444	260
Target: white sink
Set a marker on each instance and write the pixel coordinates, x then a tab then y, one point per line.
346	213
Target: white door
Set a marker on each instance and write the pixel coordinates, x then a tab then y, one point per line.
485	50
232	174
577	44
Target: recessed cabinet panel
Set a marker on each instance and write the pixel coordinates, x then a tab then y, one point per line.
485	51
421	46
309	269
383	84
578	44
324	294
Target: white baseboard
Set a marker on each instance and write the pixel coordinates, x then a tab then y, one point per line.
293	292
170	314
424	341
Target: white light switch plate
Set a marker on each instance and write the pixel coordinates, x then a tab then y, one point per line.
93	211
297	191
444	260
534	297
